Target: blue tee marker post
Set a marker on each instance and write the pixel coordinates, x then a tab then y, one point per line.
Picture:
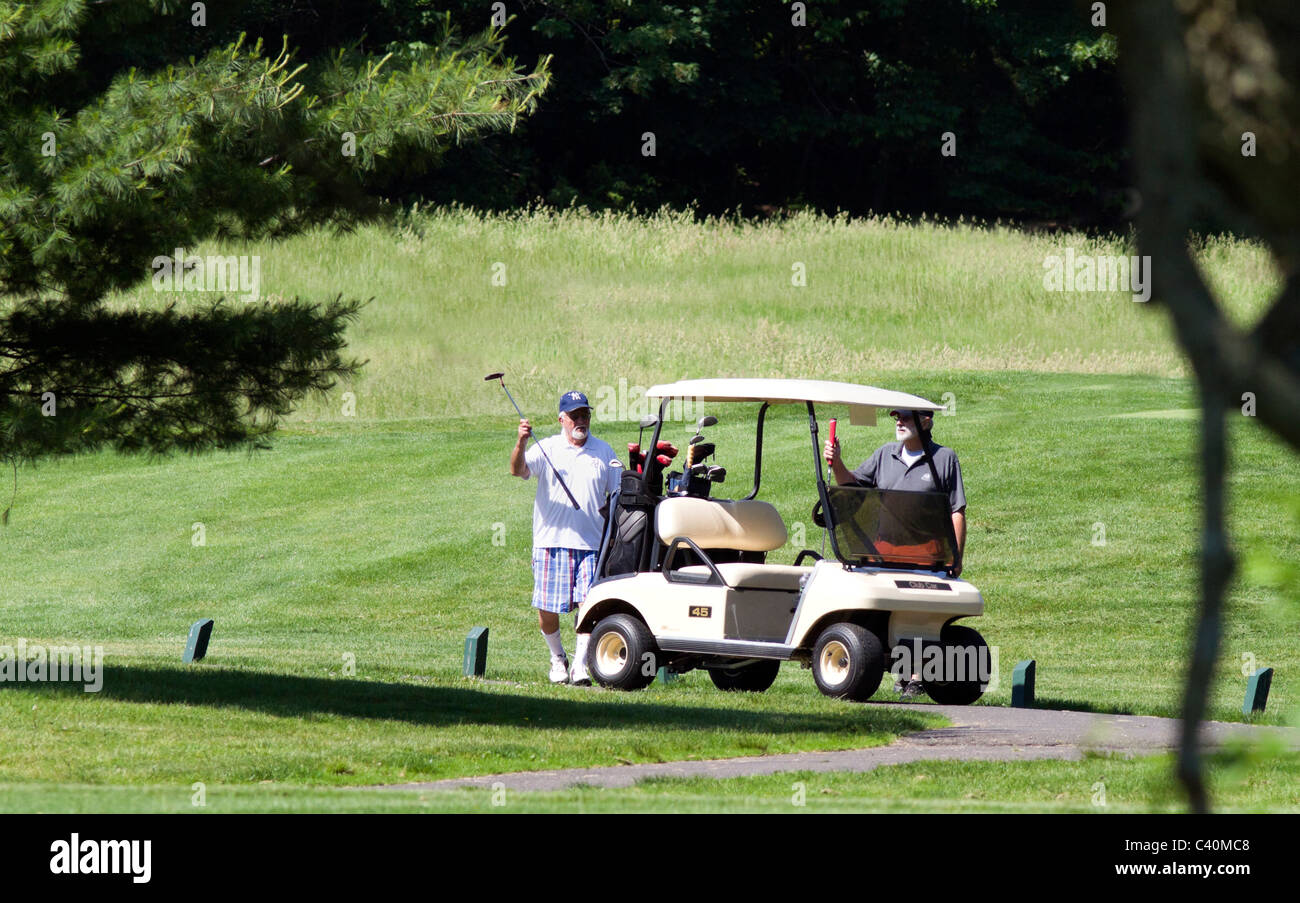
1022	685
1257	691
666	676
196	646
476	652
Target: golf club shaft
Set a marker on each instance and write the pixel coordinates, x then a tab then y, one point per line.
512	400
576	506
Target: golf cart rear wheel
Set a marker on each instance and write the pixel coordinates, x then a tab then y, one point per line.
622	653
848	662
973	652
753	678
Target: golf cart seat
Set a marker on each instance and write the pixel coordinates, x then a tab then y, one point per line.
739	575
744	525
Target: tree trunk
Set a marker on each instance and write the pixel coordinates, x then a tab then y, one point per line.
1216	572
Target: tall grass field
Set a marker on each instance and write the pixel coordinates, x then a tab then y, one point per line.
344	566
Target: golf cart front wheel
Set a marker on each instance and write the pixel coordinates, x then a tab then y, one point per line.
622	653
848	662
754	678
967	654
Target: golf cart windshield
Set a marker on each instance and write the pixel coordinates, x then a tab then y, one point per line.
891	527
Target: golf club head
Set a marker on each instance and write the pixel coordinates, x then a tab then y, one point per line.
706	420
499	375
698	437
717	474
646	422
703	450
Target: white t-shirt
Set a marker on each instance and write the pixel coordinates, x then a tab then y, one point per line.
590	471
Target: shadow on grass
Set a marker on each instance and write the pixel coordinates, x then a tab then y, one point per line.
1075	705
297	697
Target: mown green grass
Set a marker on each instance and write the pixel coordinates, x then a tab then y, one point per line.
374	543
231	725
371	542
1095	785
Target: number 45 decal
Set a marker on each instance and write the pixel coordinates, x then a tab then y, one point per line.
701	611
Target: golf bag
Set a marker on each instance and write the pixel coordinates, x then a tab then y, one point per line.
626	545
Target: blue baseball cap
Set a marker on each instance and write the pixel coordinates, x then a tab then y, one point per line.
571	401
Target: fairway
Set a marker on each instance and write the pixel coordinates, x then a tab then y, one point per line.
344	566
1099	784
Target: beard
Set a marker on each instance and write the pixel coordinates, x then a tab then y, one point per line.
580	433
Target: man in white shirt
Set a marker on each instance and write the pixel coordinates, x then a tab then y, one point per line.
566	540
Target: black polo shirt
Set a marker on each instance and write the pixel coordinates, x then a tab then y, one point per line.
885	470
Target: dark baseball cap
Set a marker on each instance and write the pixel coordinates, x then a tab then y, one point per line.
571	401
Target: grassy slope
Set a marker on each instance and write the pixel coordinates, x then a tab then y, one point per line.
373	536
594	299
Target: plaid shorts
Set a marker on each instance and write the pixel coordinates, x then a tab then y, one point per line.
561	577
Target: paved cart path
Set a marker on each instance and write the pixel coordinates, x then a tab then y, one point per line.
977	734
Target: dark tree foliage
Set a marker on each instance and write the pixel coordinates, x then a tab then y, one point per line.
131	128
219	376
751	111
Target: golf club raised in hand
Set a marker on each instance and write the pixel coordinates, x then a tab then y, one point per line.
524	436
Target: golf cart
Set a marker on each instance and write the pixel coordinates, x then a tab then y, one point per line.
683	580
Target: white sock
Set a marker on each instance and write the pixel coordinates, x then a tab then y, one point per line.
580	647
555	644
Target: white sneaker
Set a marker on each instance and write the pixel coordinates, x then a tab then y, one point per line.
559	669
578	675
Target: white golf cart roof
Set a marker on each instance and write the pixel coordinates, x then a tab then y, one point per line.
785	391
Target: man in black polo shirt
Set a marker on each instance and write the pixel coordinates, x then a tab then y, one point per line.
901	465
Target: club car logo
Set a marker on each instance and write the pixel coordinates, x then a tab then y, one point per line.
214	273
103	857
66	664
947	663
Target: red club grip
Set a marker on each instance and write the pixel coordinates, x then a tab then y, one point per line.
832	435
